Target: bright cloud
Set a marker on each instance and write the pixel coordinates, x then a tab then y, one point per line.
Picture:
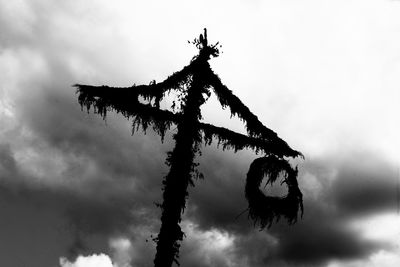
100	260
121	252
214	247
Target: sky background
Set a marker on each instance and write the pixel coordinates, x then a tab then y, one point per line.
78	191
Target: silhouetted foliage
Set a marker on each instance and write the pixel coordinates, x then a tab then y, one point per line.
264	209
193	83
254	127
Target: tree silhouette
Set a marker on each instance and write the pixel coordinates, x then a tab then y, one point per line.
194	84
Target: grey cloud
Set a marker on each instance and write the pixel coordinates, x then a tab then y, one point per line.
323	234
217	200
320	237
8	166
365	188
107	188
70	222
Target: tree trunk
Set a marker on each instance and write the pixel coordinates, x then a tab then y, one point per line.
176	182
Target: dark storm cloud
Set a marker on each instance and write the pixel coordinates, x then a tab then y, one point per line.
320	237
105	202
78	180
91	211
365	188
8	166
361	186
217	200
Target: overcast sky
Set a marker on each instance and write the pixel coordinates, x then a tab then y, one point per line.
78	191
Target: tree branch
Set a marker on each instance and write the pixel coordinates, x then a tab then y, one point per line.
143	114
149	92
253	126
236	141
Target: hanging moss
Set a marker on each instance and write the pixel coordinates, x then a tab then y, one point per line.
254	127
263	210
153	91
143	115
236	141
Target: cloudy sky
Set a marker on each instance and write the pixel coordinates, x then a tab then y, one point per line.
78	191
